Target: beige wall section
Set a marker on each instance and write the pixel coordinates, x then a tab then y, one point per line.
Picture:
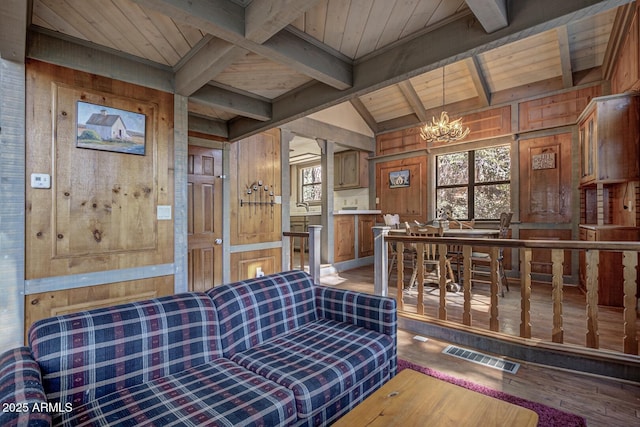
100	213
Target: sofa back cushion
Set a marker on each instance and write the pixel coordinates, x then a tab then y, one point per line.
256	310
90	354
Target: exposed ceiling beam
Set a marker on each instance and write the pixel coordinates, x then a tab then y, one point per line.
565	56
480	83
226	20
213	57
621	24
312	128
413	99
49	47
13	30
207	126
492	14
264	18
365	114
222	99
448	44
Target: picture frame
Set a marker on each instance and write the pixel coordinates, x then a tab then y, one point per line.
399	179
99	127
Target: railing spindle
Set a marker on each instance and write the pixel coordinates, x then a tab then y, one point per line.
420	277
400	274
494	325
525	293
630	263
466	286
592	259
557	260
442	263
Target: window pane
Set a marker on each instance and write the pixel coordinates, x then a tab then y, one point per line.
493	164
312	175
490	200
453	169
454	198
312	193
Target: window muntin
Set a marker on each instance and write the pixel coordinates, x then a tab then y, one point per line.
311	184
475	184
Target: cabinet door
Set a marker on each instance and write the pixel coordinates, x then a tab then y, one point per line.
344	230
587	149
350	169
365	235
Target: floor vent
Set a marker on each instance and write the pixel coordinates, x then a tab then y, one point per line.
482	359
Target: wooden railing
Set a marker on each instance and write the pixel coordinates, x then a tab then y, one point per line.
312	237
592	251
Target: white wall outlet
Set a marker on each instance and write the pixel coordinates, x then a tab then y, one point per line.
278	200
40	180
164	212
259	272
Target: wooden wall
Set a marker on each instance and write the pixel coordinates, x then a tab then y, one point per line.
255	161
409	202
100	212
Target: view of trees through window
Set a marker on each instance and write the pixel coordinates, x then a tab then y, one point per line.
311	183
475	184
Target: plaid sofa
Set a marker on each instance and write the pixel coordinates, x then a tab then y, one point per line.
276	350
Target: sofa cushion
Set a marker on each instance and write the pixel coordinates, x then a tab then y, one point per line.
87	355
256	310
320	361
219	393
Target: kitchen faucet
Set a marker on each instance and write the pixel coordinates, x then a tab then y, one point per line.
304	205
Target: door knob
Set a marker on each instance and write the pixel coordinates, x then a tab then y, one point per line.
218	241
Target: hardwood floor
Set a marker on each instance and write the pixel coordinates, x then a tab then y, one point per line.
601	401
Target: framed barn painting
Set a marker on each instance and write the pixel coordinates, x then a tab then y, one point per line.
110	129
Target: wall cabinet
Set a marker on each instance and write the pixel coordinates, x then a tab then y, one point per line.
609	135
610	272
350	170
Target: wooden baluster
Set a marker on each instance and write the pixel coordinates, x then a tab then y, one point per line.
442	262
592	260
494	325
302	246
557	260
630	263
420	277
525	293
291	251
400	273
466	286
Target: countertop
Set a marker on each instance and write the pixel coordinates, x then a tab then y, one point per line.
306	214
357	212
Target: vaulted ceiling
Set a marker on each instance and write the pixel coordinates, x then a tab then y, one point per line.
249	65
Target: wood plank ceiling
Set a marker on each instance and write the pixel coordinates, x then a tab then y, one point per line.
251	65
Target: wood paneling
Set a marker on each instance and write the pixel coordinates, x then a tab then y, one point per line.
626	74
255	161
556	110
545	179
100	213
47	304
541	258
409	202
399	141
244	264
486	124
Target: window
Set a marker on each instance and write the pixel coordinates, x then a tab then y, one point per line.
475	184
311	183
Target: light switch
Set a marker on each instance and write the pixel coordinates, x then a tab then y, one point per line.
164	212
40	180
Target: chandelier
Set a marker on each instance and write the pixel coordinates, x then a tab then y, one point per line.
443	130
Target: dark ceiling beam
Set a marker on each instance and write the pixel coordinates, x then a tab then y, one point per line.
207	126
13	30
222	99
492	14
413	99
448	44
480	83
226	20
565	56
366	115
312	128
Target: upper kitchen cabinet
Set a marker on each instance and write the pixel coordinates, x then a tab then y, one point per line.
609	137
350	170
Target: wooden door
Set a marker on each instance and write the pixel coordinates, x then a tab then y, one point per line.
205	218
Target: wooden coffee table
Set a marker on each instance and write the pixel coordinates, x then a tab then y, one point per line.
414	399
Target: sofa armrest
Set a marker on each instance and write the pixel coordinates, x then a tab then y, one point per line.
365	310
22	398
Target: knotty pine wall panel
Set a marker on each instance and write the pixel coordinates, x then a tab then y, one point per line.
100	213
409	202
255	160
545	179
244	264
561	109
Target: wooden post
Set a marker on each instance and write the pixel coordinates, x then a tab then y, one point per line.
557	260
314	252
466	268
380	260
400	271
442	261
592	260
420	277
525	293
630	263
494	325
